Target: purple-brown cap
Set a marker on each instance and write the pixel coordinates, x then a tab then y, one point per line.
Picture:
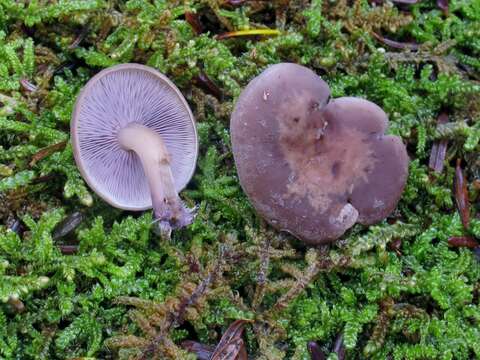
134	140
310	165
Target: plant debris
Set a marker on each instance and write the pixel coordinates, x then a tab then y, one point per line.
409	2
461	195
47	152
395	44
203	352
339	347
251	32
194	21
204	82
231	345
68	225
463	241
439	148
316	352
68	249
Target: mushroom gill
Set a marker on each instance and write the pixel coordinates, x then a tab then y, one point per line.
135	141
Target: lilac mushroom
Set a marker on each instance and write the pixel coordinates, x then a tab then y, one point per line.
135	142
310	165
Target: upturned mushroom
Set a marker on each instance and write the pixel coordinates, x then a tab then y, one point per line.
313	166
135	142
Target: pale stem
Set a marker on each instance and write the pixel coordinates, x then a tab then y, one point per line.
168	208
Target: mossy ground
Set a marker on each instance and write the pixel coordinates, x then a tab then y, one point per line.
394	290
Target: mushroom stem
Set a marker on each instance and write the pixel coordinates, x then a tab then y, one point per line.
169	210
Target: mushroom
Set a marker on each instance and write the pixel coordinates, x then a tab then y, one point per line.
310	165
135	142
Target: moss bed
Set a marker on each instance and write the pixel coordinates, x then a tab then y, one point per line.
79	279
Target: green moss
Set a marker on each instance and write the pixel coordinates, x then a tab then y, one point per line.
395	289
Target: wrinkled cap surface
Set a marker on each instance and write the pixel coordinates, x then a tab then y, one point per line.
111	100
310	165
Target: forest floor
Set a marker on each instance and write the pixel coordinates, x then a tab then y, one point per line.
80	279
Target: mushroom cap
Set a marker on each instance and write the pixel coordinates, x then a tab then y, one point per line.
113	98
312	166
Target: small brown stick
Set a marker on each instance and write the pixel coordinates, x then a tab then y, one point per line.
463	241
83	33
43	153
204	82
461	195
67	225
439	148
194	21
395	245
395	44
43	179
27	85
68	249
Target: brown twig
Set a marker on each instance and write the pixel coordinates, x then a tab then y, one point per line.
204	82
461	195
43	179
43	153
81	35
68	249
395	245
66	226
395	44
439	148
463	241
194	21
27	85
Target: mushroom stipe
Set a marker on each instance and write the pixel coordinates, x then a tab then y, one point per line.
313	166
135	142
